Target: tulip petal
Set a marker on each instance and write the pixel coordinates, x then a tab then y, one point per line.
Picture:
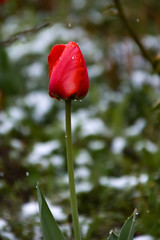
54	56
68	74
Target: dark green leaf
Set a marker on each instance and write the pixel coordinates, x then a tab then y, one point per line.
156	105
49	226
112	236
127	231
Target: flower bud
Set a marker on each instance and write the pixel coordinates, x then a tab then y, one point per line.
2	1
68	76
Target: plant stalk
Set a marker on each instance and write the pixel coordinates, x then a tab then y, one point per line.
73	198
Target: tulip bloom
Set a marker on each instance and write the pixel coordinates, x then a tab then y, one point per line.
68	76
2	1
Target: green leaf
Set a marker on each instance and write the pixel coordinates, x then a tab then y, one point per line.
156	105
127	231
112	236
49	226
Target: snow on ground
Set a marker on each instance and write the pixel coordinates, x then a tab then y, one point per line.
31	208
144	237
136	128
41	150
118	145
5	230
40	101
83	158
59	32
123	182
11	119
148	145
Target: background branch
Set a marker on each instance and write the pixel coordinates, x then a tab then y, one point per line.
133	34
21	34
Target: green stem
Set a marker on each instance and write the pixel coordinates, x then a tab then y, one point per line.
71	171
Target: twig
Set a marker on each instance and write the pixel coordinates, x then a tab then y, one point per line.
21	34
132	33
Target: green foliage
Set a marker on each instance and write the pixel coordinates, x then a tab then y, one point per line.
114	99
112	236
49	226
127	231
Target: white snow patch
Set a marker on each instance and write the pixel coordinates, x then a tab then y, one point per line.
41	103
121	50
83	187
83	158
144	237
3	224
82	172
96	144
118	145
78	117
146	144
57	160
8	235
95	17
6	123
95	71
84	222
10	119
40	43
124	181
6	231
151	41
89	125
37	232
57	212
42	149
29	209
15	143
155	80
79	4
16	113
34	70
139	77
90	49
94	126
136	128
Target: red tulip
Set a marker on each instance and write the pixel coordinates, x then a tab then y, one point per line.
2	1
68	76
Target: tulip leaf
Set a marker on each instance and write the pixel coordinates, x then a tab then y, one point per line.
127	231
112	236
49	226
156	105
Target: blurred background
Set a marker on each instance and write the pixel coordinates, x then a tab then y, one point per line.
115	130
